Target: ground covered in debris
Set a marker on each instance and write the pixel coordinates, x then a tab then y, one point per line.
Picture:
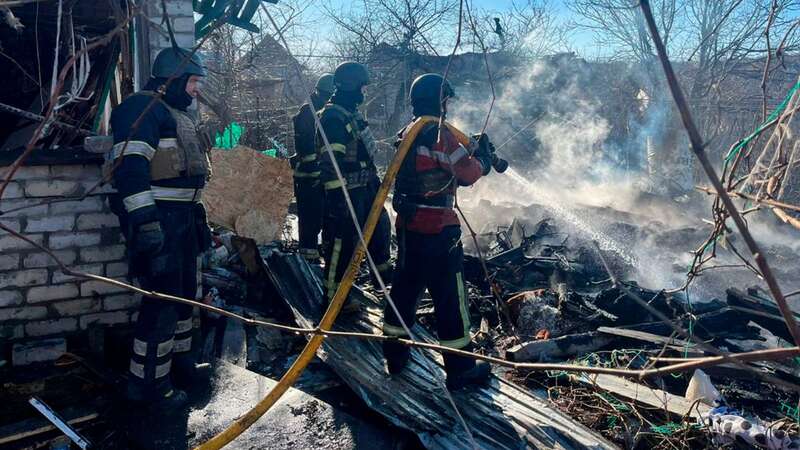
552	299
562	306
554	296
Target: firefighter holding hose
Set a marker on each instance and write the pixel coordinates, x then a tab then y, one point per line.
430	255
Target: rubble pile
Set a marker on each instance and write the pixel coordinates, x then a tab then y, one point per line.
565	307
562	307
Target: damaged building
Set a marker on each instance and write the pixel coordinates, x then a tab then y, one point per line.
620	301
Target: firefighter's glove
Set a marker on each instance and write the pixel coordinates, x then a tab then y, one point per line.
483	152
149	240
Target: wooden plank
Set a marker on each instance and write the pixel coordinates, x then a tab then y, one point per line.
644	336
640	393
559	348
762	311
499	415
32	427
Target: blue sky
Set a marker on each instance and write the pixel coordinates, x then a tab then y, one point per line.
580	40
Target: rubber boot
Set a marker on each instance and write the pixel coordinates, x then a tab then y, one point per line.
397	356
477	375
174	400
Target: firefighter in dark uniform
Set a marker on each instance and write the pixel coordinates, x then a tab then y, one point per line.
163	169
308	190
430	254
353	147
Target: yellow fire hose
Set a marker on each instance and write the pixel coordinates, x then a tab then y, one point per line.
243	423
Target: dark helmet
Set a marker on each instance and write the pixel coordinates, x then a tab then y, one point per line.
427	88
174	62
350	76
325	84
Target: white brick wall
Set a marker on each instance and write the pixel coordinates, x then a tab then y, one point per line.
61	277
50	223
9	262
92	288
182	17
52	292
50	327
77	307
102	253
106	318
10	297
97	220
38	300
35	260
73	239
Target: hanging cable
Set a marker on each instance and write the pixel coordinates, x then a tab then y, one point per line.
338	299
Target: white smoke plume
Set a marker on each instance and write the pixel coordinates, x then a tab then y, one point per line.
586	154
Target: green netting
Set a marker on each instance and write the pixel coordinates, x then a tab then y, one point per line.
743	143
230	136
671	428
616	404
790	411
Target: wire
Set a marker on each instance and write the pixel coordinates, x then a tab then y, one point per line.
437	375
54	77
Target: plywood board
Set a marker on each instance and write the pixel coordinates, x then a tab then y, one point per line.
249	193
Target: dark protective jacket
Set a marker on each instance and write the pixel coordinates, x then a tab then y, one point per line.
164	159
425	188
305	161
352	143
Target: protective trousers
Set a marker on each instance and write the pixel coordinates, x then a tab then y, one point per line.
339	236
435	262
310	196
163	335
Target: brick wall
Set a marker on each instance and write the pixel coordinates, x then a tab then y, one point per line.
37	300
182	18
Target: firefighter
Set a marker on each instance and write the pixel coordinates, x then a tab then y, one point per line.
164	166
353	147
430	254
308	190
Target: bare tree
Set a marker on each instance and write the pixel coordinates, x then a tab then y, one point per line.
414	26
619	25
251	81
526	29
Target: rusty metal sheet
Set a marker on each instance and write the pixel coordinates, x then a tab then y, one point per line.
501	415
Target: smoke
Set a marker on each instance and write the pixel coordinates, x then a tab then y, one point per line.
560	127
583	160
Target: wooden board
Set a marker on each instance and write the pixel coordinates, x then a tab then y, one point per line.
500	415
644	336
656	398
761	311
32	427
249	193
559	348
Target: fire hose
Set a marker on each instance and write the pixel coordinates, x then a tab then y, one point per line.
326	323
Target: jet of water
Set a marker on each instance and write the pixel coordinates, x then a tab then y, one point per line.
557	207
